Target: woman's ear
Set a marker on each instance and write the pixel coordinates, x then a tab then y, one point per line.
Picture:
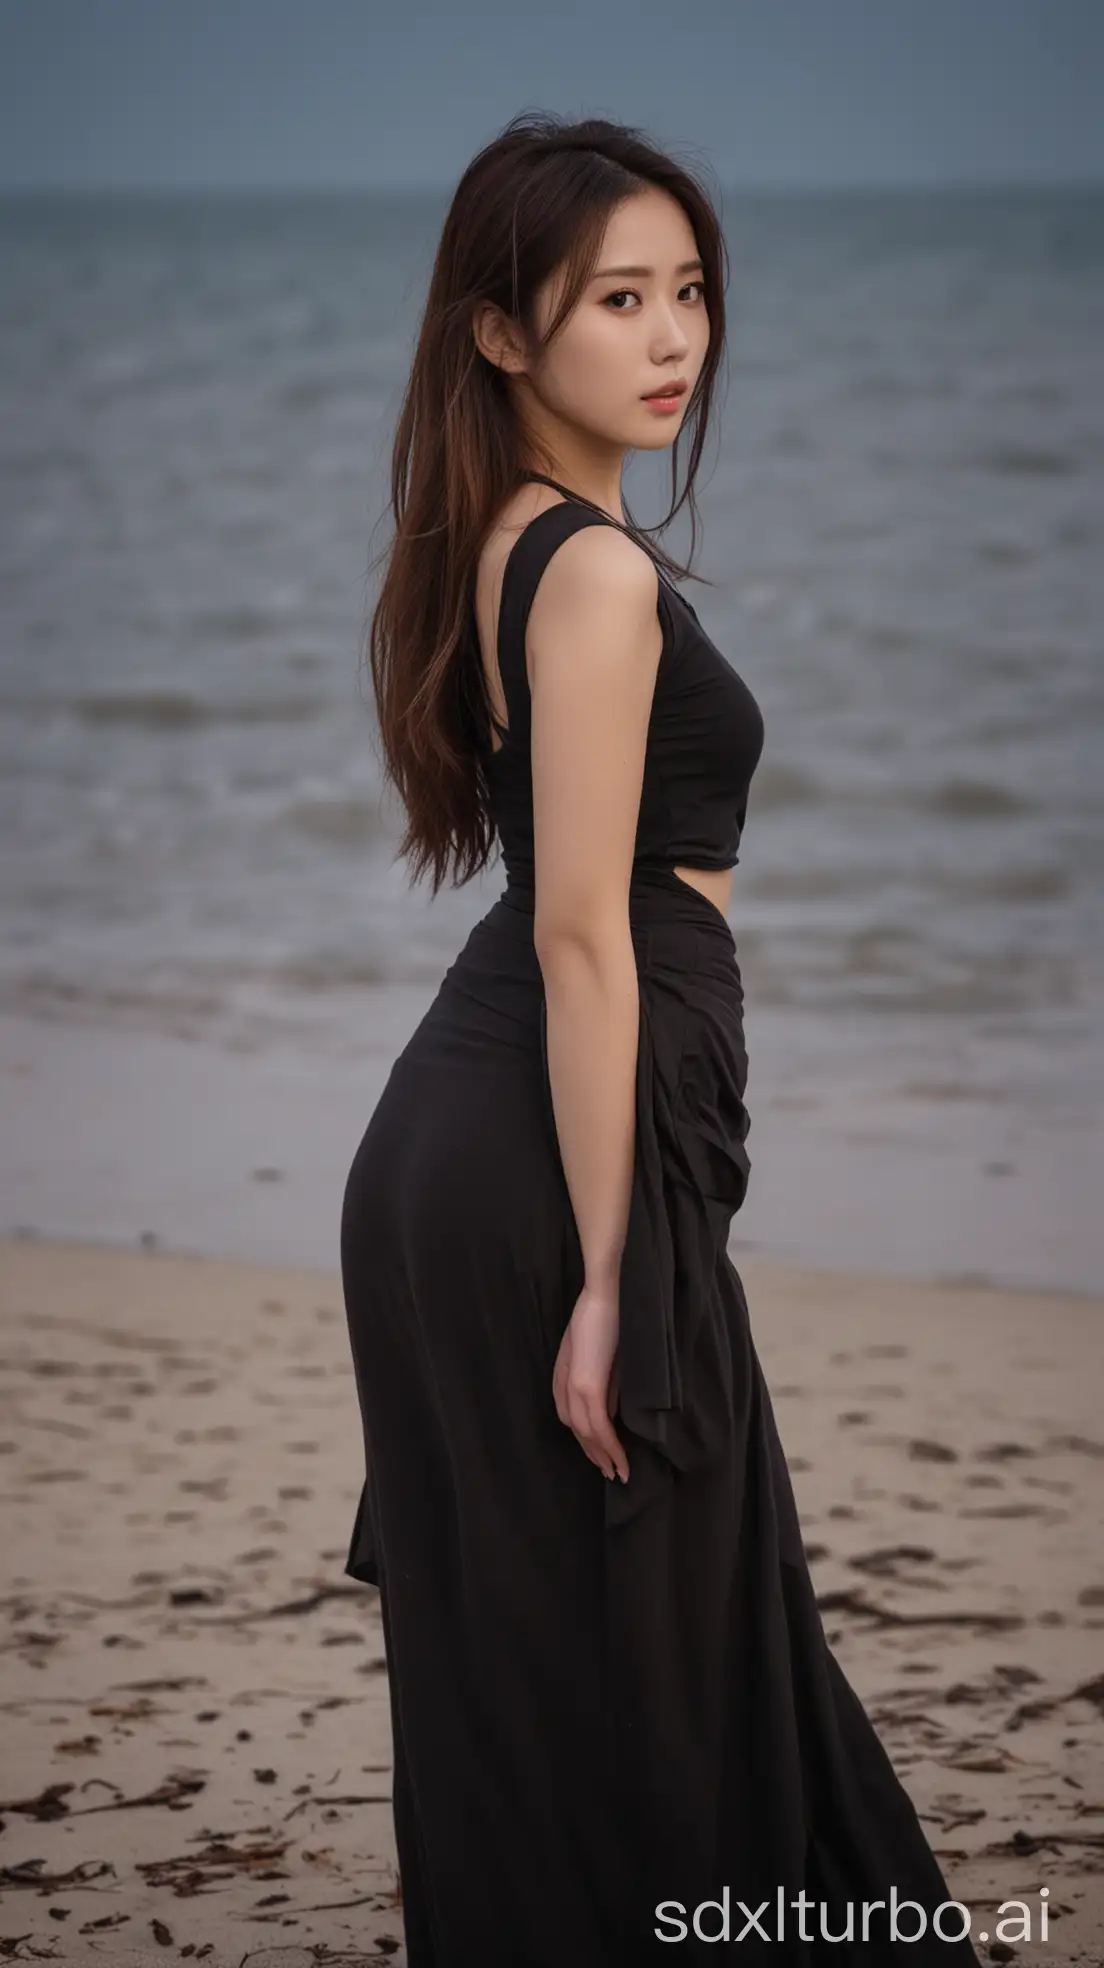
496	338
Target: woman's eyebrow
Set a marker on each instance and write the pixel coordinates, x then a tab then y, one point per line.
645	272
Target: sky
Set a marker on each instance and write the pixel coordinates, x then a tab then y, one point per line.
344	94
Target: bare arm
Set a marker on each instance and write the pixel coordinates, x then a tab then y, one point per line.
594	641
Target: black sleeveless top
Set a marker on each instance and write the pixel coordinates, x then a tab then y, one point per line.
705	732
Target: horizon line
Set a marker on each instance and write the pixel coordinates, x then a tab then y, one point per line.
768	187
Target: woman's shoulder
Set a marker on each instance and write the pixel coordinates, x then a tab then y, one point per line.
604	543
585	562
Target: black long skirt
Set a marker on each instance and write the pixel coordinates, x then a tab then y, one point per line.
616	1718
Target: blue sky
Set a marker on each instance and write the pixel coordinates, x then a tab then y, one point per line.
349	93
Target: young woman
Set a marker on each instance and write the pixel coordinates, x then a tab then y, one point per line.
611	1694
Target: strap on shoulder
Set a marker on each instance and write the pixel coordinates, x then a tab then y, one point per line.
525	563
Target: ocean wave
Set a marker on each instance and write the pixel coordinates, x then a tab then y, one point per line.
338	822
171	710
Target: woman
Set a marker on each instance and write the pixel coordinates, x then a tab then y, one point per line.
611	1696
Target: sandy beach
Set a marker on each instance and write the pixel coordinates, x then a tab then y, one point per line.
196	1728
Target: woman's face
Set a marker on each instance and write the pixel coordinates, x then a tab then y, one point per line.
640	324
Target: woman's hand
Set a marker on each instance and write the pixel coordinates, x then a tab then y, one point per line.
584	1379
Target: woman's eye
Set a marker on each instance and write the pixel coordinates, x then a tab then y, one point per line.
621	292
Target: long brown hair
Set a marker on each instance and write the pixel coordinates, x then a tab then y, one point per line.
536	199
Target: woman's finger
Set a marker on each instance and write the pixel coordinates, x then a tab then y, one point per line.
591	1424
608	1441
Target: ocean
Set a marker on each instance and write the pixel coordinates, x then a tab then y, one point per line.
903	527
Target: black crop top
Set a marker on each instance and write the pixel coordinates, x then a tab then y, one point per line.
705	732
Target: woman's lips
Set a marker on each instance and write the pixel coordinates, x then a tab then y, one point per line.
668	396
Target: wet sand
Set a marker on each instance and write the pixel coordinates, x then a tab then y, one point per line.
195	1717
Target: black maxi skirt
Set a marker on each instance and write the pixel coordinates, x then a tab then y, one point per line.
610	1703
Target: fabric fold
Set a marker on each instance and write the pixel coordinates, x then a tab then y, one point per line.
363	1560
690	1176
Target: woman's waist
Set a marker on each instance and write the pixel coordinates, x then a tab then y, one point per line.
494	990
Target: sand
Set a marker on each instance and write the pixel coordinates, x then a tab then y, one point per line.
196	1736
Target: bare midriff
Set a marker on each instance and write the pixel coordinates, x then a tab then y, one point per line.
714	883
